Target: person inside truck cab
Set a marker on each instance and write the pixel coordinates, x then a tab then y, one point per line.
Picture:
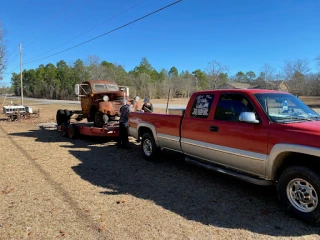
137	106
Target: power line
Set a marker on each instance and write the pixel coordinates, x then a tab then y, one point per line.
49	20
7	73
28	60
15	48
63	21
13	58
127	24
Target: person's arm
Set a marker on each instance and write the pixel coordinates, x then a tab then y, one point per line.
146	108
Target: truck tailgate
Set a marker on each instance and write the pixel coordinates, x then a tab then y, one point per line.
166	128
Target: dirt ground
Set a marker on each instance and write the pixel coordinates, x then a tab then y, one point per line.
54	187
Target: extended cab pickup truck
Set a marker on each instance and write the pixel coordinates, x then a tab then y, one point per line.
261	136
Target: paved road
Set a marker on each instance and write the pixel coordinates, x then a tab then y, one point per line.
51	101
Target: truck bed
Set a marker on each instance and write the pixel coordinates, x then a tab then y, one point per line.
166	127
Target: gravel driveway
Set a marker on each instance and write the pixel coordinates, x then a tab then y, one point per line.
54	187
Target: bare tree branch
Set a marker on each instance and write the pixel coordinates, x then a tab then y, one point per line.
291	67
214	70
3	61
318	60
268	71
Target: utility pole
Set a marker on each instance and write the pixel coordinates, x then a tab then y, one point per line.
21	87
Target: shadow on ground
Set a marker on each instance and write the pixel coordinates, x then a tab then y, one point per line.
193	193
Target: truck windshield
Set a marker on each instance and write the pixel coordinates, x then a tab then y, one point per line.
105	87
281	107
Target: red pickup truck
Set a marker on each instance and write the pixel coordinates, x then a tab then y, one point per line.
261	136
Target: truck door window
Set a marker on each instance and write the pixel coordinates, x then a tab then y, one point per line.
230	106
202	105
84	89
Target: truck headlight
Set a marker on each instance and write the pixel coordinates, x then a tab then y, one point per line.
105	98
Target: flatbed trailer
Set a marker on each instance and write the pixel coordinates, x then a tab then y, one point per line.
71	129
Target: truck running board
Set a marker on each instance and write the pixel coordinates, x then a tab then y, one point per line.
246	178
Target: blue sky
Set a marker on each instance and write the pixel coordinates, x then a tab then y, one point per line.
241	34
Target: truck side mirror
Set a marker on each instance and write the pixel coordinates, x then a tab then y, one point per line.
125	90
77	89
248	117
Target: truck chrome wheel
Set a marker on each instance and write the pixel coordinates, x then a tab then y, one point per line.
147	147
302	195
299	191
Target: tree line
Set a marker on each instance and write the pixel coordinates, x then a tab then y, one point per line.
57	81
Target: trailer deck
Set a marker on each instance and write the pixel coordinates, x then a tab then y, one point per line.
88	129
69	126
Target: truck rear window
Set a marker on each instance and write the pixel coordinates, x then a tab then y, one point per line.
202	105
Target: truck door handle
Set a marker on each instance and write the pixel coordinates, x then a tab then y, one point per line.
214	128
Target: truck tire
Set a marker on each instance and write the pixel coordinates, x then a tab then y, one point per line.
299	192
149	148
105	118
98	119
72	131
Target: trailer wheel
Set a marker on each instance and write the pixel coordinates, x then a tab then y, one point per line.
72	131
149	148
64	127
60	117
68	114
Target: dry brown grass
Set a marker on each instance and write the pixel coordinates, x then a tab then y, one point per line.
54	187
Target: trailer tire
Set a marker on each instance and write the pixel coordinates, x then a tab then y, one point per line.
64	127
150	150
60	117
68	113
72	131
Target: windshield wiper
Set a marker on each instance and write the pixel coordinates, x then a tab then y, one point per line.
302	118
293	118
317	118
299	118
